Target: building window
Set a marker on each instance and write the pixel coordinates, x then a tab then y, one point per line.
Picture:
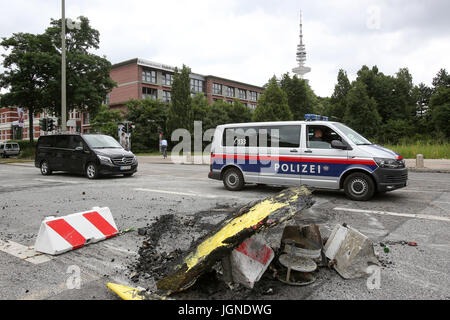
229	101
167	96
253	96
108	98
230	92
242	94
217	88
149	93
252	106
149	76
196	85
86	118
167	79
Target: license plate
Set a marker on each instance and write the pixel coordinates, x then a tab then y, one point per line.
125	168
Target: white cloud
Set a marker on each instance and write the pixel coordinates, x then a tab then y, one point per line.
252	40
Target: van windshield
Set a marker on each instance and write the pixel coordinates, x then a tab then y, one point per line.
101	142
354	136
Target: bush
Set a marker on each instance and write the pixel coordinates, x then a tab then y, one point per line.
27	148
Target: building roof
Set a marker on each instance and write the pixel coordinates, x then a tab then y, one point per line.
165	67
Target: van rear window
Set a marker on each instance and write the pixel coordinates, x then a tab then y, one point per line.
267	136
46	142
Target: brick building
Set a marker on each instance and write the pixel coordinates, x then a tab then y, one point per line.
140	79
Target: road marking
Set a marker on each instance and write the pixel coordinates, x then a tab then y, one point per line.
422	191
58	181
22	252
407	215
187	194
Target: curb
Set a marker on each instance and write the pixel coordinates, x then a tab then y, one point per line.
428	170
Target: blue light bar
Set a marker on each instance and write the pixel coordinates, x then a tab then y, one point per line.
312	117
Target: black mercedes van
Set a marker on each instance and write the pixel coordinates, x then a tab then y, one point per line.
89	154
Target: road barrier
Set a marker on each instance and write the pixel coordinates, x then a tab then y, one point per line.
62	234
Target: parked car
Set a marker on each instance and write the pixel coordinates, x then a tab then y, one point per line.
320	154
9	149
89	154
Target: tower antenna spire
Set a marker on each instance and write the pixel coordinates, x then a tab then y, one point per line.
301	69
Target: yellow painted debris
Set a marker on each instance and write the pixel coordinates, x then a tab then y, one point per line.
125	293
255	215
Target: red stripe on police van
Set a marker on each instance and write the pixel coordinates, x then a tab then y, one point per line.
101	224
262	256
296	159
68	233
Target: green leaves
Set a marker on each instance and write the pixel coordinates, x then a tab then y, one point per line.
273	105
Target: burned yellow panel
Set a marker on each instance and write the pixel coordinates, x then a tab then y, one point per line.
124	292
255	215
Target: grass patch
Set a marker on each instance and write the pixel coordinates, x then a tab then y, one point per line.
429	150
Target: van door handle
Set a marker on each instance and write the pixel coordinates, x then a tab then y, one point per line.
308	151
294	150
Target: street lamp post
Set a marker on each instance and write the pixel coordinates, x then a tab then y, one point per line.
63	69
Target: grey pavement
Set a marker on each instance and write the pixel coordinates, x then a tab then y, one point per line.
26	197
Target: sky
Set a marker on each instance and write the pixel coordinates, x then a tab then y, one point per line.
252	40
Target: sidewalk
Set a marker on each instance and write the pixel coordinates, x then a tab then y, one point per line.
431	165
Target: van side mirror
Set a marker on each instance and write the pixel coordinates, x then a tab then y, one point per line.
336	144
79	149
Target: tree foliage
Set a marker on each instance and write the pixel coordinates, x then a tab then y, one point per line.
273	104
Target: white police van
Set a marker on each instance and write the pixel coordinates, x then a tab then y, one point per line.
315	152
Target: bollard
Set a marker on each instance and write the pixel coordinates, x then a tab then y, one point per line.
420	161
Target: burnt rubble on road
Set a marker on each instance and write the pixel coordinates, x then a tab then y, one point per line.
226	252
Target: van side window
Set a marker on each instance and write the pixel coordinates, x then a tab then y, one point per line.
280	136
75	141
240	137
62	142
46	142
320	137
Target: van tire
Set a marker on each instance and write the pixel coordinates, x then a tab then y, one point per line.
45	168
91	171
359	187
233	179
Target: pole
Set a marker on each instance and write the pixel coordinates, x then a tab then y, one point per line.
63	69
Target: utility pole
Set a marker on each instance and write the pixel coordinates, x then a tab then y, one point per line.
63	69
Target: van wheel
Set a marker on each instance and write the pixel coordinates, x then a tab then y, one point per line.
359	187
233	179
91	171
45	168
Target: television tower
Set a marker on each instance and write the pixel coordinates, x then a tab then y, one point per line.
301	70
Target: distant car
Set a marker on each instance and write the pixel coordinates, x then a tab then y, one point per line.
89	154
9	149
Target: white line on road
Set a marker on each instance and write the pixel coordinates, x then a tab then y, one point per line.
23	252
188	194
422	191
58	181
407	215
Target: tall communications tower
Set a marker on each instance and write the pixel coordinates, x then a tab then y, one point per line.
301	70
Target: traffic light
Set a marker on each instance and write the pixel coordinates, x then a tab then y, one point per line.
43	124
50	124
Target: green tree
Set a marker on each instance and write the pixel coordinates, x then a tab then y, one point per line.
180	113
149	117
338	99
442	79
106	121
300	96
218	115
88	75
200	107
273	104
361	113
26	65
238	112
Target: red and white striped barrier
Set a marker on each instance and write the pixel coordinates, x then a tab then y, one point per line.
62	234
250	260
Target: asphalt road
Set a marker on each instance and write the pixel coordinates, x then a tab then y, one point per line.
26	197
